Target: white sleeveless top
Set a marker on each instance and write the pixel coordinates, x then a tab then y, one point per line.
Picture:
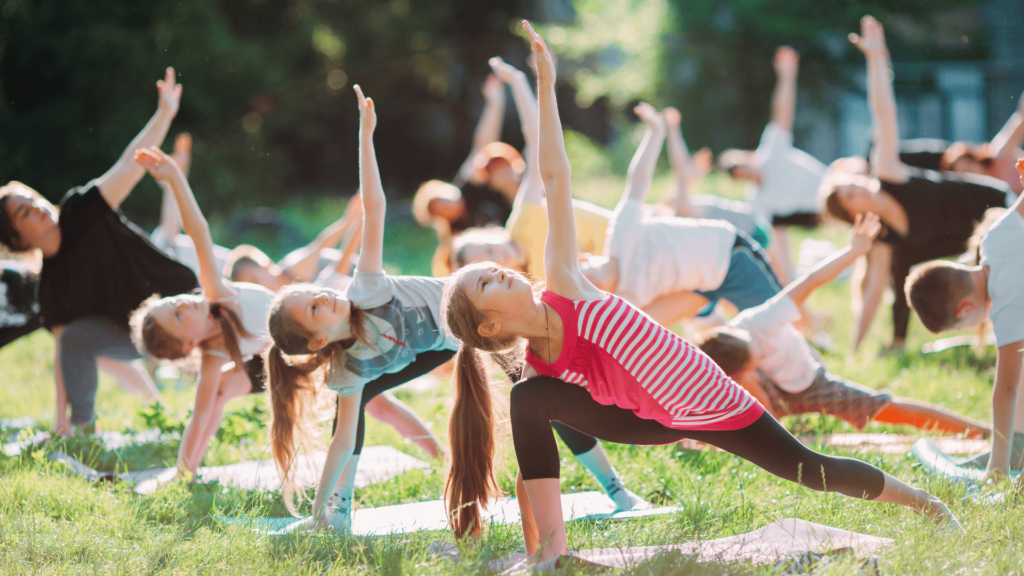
254	302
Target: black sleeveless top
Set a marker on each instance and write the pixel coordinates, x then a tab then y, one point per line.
942	208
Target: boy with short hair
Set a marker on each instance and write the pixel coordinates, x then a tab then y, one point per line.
762	351
948	295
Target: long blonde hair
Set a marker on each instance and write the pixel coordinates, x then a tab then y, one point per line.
471	481
293	377
149	336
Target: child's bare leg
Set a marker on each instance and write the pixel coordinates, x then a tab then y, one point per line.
931	417
397	414
896	492
132	377
545	498
530	537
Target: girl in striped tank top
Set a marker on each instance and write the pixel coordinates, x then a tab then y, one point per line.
601	366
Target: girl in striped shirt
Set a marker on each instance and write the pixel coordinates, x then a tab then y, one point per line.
605	368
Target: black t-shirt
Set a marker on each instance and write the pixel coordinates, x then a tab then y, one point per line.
484	207
923	153
943	208
106	264
19	312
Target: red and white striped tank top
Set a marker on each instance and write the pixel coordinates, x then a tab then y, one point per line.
626	359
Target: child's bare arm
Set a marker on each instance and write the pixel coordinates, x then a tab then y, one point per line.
683	169
488	128
117	182
1011	135
864	232
1004	406
787	65
531	190
170	219
163	167
885	156
641	168
876	278
301	263
371	259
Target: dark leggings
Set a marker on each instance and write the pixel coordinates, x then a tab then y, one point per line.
538	401
425	362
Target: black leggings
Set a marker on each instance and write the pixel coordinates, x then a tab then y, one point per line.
425	362
538	401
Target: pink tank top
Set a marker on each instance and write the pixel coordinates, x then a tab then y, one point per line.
626	359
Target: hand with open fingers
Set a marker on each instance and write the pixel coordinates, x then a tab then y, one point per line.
865	230
503	70
170	92
492	89
367	112
649	116
786	61
545	63
183	151
871	40
159	165
1020	169
672	116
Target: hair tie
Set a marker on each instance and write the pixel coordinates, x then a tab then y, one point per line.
216	310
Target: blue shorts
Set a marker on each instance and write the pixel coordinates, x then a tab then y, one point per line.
749	281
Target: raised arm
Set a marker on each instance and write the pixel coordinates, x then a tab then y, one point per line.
787	66
680	161
1011	135
885	154
170	219
115	184
864	232
375	205
561	257
641	167
301	263
531	191
163	167
488	128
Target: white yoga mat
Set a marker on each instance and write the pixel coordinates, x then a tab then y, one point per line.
939	462
765	545
110	440
430	515
377	464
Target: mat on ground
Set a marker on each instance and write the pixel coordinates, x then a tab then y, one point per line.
18	442
377	464
940	462
772	543
430	515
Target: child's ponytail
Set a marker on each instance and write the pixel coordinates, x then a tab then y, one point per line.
471	482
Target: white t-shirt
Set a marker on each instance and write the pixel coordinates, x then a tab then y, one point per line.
182	249
254	301
786	357
659	255
404	319
789	177
739	214
1002	251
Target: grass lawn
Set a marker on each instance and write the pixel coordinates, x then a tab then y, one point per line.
52	522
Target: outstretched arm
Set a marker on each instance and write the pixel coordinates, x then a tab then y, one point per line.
1011	135
787	65
162	167
375	205
115	184
876	278
339	453
885	155
300	264
531	191
349	251
683	169
488	128
170	219
1004	406
641	168
864	232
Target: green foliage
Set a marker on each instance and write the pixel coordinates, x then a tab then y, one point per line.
156	416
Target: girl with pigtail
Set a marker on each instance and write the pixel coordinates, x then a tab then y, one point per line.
601	366
226	321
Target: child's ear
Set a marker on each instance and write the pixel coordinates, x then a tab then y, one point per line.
964	307
317	342
488	329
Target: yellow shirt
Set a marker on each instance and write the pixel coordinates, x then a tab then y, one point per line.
529	225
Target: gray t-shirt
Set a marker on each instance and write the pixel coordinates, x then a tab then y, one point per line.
739	214
403	320
1002	250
